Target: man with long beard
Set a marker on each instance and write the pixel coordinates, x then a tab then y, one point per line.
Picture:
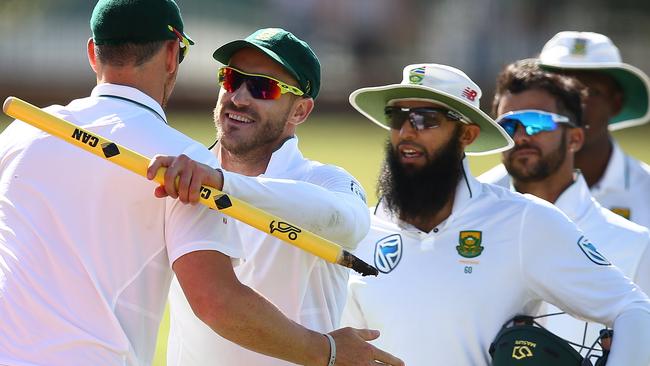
460	258
543	114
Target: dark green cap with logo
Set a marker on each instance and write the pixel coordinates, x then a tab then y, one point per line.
292	53
135	21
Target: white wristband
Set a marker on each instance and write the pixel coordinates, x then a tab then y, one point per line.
332	350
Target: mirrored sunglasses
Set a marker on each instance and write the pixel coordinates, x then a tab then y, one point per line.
533	121
184	44
260	86
420	118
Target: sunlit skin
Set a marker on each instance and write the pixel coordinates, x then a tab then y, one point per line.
163	63
415	148
250	129
604	101
529	151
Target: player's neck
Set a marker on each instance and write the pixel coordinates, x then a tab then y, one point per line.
548	189
428	223
251	164
593	159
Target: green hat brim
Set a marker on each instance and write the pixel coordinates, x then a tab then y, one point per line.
225	52
636	90
372	101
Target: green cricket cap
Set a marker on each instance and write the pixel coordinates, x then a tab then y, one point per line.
292	53
135	21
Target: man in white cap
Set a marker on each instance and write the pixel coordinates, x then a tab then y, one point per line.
542	112
460	258
619	97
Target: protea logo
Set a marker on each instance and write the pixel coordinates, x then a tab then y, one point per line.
388	253
416	75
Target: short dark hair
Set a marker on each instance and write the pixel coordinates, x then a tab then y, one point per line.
124	54
526	74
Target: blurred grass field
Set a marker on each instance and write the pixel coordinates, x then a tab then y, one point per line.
357	145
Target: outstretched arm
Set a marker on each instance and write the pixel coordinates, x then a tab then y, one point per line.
331	206
241	315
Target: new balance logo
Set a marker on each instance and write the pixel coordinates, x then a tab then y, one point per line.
470	93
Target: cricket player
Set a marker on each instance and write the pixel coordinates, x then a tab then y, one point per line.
542	112
86	252
269	82
618	97
460	258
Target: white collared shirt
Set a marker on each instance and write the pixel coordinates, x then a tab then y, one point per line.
85	247
444	295
625	187
624	243
323	199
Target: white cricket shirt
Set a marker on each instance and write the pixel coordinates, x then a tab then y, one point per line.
623	242
321	198
443	296
85	247
625	187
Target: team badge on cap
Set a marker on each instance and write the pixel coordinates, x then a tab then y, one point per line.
388	253
579	47
267	34
470	244
416	75
591	252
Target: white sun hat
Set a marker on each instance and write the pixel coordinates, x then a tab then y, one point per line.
439	84
588	51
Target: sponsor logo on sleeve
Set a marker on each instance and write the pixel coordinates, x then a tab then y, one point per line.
388	253
356	189
591	252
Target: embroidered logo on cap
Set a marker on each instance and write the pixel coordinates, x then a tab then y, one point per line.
416	75
579	47
470	93
267	34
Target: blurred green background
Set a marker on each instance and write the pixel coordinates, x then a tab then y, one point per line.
355	144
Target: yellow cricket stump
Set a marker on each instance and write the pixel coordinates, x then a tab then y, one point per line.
210	196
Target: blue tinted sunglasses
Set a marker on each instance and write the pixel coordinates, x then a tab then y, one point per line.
533	121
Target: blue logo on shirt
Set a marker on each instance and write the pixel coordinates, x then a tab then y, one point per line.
388	253
591	252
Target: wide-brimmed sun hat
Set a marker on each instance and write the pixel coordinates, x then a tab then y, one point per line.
438	84
589	51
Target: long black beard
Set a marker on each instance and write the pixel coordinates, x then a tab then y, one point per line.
417	193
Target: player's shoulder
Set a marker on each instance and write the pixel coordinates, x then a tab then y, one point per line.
621	224
498	175
322	170
639	170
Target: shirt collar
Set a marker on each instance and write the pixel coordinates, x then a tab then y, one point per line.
130	94
574	201
616	176
468	188
285	158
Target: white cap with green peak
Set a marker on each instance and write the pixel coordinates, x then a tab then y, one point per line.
589	51
439	84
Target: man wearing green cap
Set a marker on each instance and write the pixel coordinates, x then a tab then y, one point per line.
268	87
460	258
85	258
